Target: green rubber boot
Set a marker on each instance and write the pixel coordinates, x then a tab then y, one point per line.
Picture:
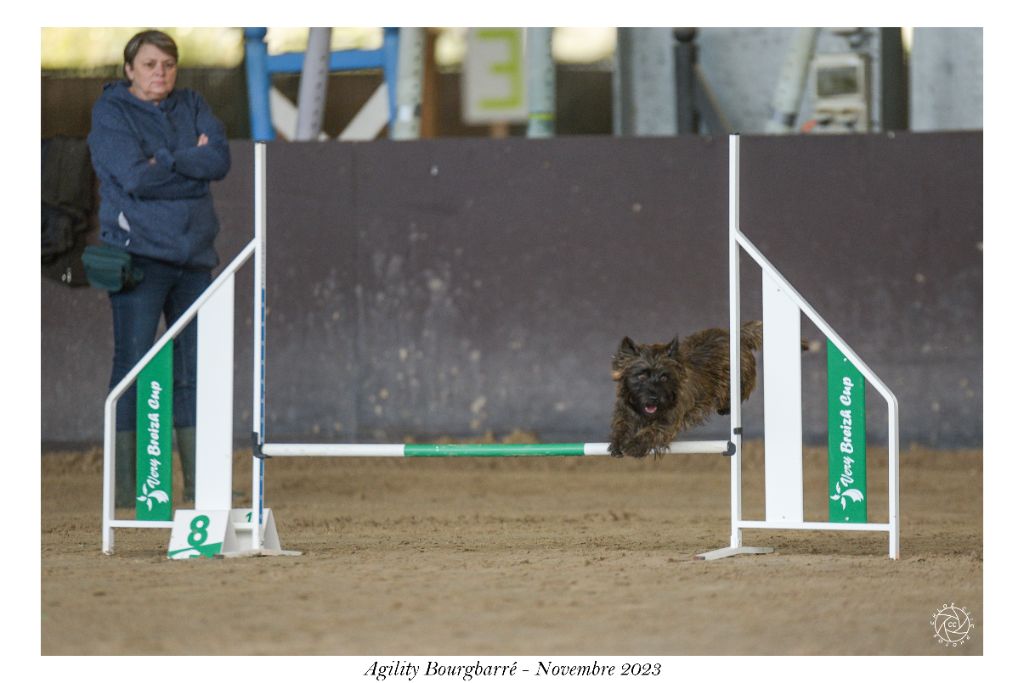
124	470
187	452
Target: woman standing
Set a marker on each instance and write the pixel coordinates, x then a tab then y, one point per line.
155	150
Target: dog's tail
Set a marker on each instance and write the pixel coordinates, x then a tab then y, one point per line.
752	333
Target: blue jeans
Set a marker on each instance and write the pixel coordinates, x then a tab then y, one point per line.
166	290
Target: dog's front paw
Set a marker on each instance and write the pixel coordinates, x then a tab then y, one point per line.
614	450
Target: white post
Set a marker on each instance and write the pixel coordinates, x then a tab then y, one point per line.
215	365
735	407
736	546
783	405
259	327
109	436
894	478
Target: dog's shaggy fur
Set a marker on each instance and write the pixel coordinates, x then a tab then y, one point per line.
663	388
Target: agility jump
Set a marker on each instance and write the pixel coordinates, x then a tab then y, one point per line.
213	528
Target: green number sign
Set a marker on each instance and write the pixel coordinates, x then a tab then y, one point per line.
511	69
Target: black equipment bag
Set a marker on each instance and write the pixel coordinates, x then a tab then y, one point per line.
68	202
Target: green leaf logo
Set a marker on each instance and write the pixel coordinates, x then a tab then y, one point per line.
149	497
853	495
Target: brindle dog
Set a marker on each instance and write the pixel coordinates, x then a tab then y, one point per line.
663	388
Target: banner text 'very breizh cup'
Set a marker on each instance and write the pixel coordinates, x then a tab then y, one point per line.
847	469
154	422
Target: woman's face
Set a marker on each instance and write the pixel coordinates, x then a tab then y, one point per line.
152	74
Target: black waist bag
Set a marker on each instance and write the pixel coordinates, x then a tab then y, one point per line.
110	268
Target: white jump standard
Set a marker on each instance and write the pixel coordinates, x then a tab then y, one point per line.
214	528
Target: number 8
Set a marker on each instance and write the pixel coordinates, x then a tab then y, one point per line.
199	534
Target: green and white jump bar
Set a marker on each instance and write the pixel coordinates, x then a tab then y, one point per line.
485	450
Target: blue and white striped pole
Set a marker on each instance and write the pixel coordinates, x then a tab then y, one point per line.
259	327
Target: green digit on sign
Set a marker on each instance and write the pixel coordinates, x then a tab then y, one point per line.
198	527
512	69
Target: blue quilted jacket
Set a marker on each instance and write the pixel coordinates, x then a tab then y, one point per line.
154	181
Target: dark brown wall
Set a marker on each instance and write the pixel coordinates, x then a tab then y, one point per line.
450	287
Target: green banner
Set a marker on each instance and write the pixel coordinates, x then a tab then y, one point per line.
847	469
154	424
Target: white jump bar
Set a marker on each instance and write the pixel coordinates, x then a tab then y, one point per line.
136	524
816	526
398	450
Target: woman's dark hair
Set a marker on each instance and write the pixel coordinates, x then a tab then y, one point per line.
157	39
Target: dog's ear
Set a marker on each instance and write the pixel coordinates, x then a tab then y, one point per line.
627	350
673	346
627	347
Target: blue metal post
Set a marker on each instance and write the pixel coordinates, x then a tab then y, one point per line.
259	66
258	81
391	73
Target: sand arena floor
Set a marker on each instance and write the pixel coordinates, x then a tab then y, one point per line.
552	556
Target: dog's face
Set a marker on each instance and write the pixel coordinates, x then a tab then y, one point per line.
649	376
